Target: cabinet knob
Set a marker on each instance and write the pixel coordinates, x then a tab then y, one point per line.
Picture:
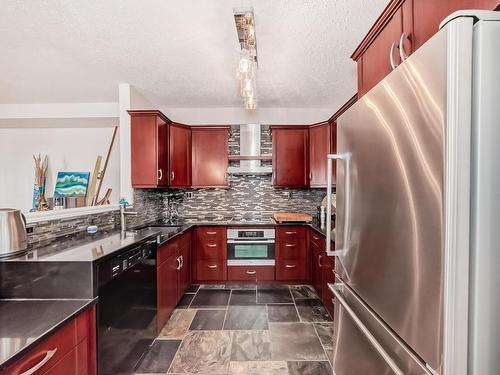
172	175
160	174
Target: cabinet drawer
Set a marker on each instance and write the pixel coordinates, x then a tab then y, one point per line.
211	251
211	270
211	234
289	232
291	270
318	239
61	347
250	273
293	248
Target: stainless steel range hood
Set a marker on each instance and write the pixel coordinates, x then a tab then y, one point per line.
250	146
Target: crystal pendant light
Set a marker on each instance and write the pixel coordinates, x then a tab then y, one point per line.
250	103
247	88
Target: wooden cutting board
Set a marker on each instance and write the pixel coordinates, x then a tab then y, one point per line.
295	217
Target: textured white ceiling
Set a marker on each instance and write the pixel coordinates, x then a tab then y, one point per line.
180	54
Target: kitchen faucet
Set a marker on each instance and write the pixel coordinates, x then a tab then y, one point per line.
123	205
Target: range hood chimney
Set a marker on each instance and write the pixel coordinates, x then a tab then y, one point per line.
250	146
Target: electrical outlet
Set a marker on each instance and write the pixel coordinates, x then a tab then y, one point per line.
189	194
288	195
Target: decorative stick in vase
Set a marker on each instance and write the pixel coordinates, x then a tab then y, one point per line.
40	176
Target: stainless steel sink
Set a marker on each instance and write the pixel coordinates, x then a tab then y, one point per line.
165	232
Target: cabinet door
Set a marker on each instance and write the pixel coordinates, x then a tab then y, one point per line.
149	150
210	157
428	14
317	258
290	157
333	148
180	156
185	271
167	288
375	61
319	147
328	278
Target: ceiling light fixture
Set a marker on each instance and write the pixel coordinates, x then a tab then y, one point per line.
247	65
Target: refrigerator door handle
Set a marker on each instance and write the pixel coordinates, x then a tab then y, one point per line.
330	158
366	332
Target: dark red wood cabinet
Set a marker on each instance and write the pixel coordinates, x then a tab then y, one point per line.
290	156
319	148
291	253
173	275
180	155
210	156
412	22
149	149
211	253
71	350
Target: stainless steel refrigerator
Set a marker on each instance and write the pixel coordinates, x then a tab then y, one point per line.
417	247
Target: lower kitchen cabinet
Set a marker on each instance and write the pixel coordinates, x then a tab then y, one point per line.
316	268
250	273
211	253
173	275
291	253
71	350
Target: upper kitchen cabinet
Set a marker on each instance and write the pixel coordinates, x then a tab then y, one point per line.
319	147
149	149
428	14
180	155
290	156
403	27
210	156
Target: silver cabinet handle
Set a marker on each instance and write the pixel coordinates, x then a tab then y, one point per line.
212	245
290	265
319	261
346	157
402	52
211	233
290	245
251	272
182	261
160	174
290	232
315	238
40	364
212	266
387	358
178	259
172	175
391	57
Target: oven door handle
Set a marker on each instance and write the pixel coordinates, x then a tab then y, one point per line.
252	241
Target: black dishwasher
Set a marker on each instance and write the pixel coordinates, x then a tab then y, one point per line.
126	309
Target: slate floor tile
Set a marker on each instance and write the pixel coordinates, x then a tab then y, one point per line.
274	294
243	298
281	313
185	301
295	342
246	317
251	346
178	324
159	357
209	298
212	286
193	288
303	292
258	368
312	310
203	352
310	368
239	286
208	320
325	333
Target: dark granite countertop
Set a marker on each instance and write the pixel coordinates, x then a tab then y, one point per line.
85	247
24	323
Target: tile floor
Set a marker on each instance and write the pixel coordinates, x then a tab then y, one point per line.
244	330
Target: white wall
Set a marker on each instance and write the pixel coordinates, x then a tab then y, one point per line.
69	149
